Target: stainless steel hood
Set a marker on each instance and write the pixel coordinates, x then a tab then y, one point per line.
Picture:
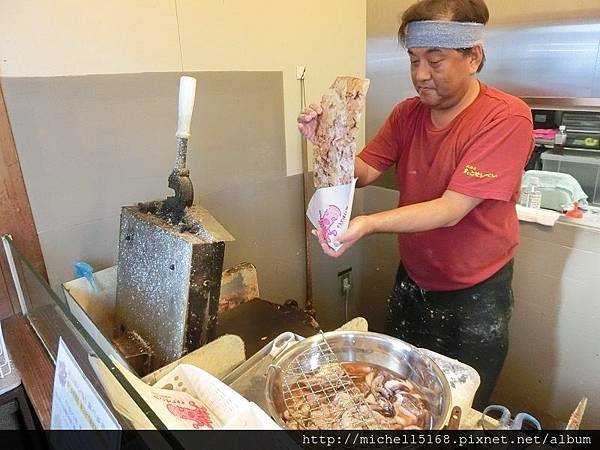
527	60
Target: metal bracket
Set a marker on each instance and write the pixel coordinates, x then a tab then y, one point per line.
174	206
13	272
454	421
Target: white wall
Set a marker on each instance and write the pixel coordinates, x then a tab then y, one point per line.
70	37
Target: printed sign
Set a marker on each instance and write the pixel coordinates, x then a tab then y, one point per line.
76	405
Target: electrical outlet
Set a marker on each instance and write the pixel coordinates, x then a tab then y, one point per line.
300	71
345	281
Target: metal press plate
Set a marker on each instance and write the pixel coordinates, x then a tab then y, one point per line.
152	285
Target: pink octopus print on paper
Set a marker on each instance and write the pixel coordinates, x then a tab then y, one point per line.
327	220
197	414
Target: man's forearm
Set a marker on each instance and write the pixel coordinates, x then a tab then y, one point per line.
445	211
365	173
438	213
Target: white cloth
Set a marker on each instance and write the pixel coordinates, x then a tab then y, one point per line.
558	189
537	215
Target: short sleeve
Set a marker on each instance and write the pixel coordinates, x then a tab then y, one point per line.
492	164
383	150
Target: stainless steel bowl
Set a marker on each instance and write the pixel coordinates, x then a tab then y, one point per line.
373	348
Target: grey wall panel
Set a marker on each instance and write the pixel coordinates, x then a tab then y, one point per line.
554	325
328	301
95	241
267	220
380	260
88	144
237	130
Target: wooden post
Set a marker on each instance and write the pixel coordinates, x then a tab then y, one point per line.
16	218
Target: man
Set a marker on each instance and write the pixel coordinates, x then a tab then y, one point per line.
459	149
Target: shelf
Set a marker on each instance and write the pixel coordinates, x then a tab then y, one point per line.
574	156
563	103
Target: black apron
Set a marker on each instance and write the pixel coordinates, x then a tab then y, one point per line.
470	324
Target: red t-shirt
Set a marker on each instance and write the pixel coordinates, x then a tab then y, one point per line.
481	153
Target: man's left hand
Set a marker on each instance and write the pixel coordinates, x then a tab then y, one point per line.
358	227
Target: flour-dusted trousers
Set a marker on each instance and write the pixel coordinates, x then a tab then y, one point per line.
470	325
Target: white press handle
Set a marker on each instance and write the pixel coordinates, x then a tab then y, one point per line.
187	94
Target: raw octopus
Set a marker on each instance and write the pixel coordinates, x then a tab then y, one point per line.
366	397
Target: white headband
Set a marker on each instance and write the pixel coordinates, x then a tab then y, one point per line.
443	34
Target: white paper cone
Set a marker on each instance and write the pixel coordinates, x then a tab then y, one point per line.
329	211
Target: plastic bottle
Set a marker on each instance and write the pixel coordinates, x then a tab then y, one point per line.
534	196
560	139
524	198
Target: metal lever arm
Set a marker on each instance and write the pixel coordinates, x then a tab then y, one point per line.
174	206
179	179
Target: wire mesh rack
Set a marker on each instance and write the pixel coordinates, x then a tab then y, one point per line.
319	394
5	365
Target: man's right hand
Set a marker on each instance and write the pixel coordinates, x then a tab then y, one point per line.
308	120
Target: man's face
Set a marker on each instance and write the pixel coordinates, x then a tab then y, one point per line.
441	76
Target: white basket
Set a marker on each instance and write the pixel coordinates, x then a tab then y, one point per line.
5	366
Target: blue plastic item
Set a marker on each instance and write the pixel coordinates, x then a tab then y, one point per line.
83	269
